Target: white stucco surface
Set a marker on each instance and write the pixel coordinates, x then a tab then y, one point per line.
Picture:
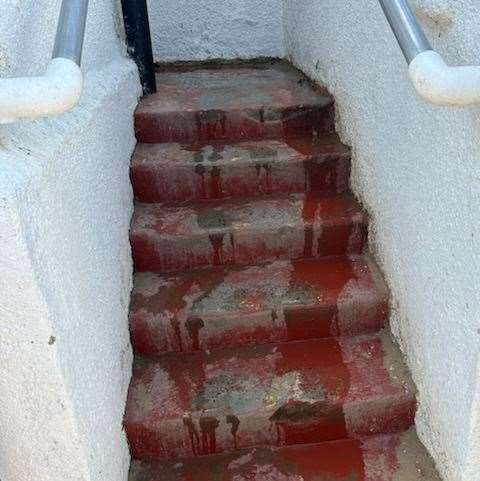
417	170
65	207
212	29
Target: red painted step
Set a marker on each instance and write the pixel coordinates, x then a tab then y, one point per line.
282	301
397	457
263	101
175	172
242	232
183	405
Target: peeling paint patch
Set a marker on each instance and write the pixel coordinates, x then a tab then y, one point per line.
226	104
281	301
178	172
274	395
244	232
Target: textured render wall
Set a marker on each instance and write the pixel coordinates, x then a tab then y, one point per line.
212	29
417	169
65	207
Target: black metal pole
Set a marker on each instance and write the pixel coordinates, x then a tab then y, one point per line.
137	29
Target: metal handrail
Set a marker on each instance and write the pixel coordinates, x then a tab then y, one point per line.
433	79
71	30
60	88
407	30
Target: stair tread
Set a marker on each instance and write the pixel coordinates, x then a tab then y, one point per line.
377	458
232	215
279	301
173	237
277	394
178	172
248	152
273	84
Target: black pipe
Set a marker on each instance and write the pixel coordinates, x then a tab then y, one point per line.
137	30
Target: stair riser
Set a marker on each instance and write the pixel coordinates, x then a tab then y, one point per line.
154	334
153	252
196	127
152	183
383	458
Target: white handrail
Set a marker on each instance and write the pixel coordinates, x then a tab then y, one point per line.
433	79
60	88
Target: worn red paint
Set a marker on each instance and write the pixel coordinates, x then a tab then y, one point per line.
234	109
372	459
274	342
317	300
291	393
377	458
301	422
205	234
175	172
342	461
310	209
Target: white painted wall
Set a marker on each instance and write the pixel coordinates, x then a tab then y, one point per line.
213	29
65	207
417	169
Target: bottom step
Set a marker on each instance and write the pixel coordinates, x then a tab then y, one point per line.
398	457
202	403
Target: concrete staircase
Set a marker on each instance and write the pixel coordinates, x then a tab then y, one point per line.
257	317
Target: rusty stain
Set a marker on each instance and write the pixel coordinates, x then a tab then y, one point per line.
193	325
208	428
178	334
192	433
200	170
310	207
211	124
216	183
217	243
235	423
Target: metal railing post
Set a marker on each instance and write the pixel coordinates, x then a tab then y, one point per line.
137	30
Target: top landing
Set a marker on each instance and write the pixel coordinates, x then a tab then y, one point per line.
232	102
232	86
